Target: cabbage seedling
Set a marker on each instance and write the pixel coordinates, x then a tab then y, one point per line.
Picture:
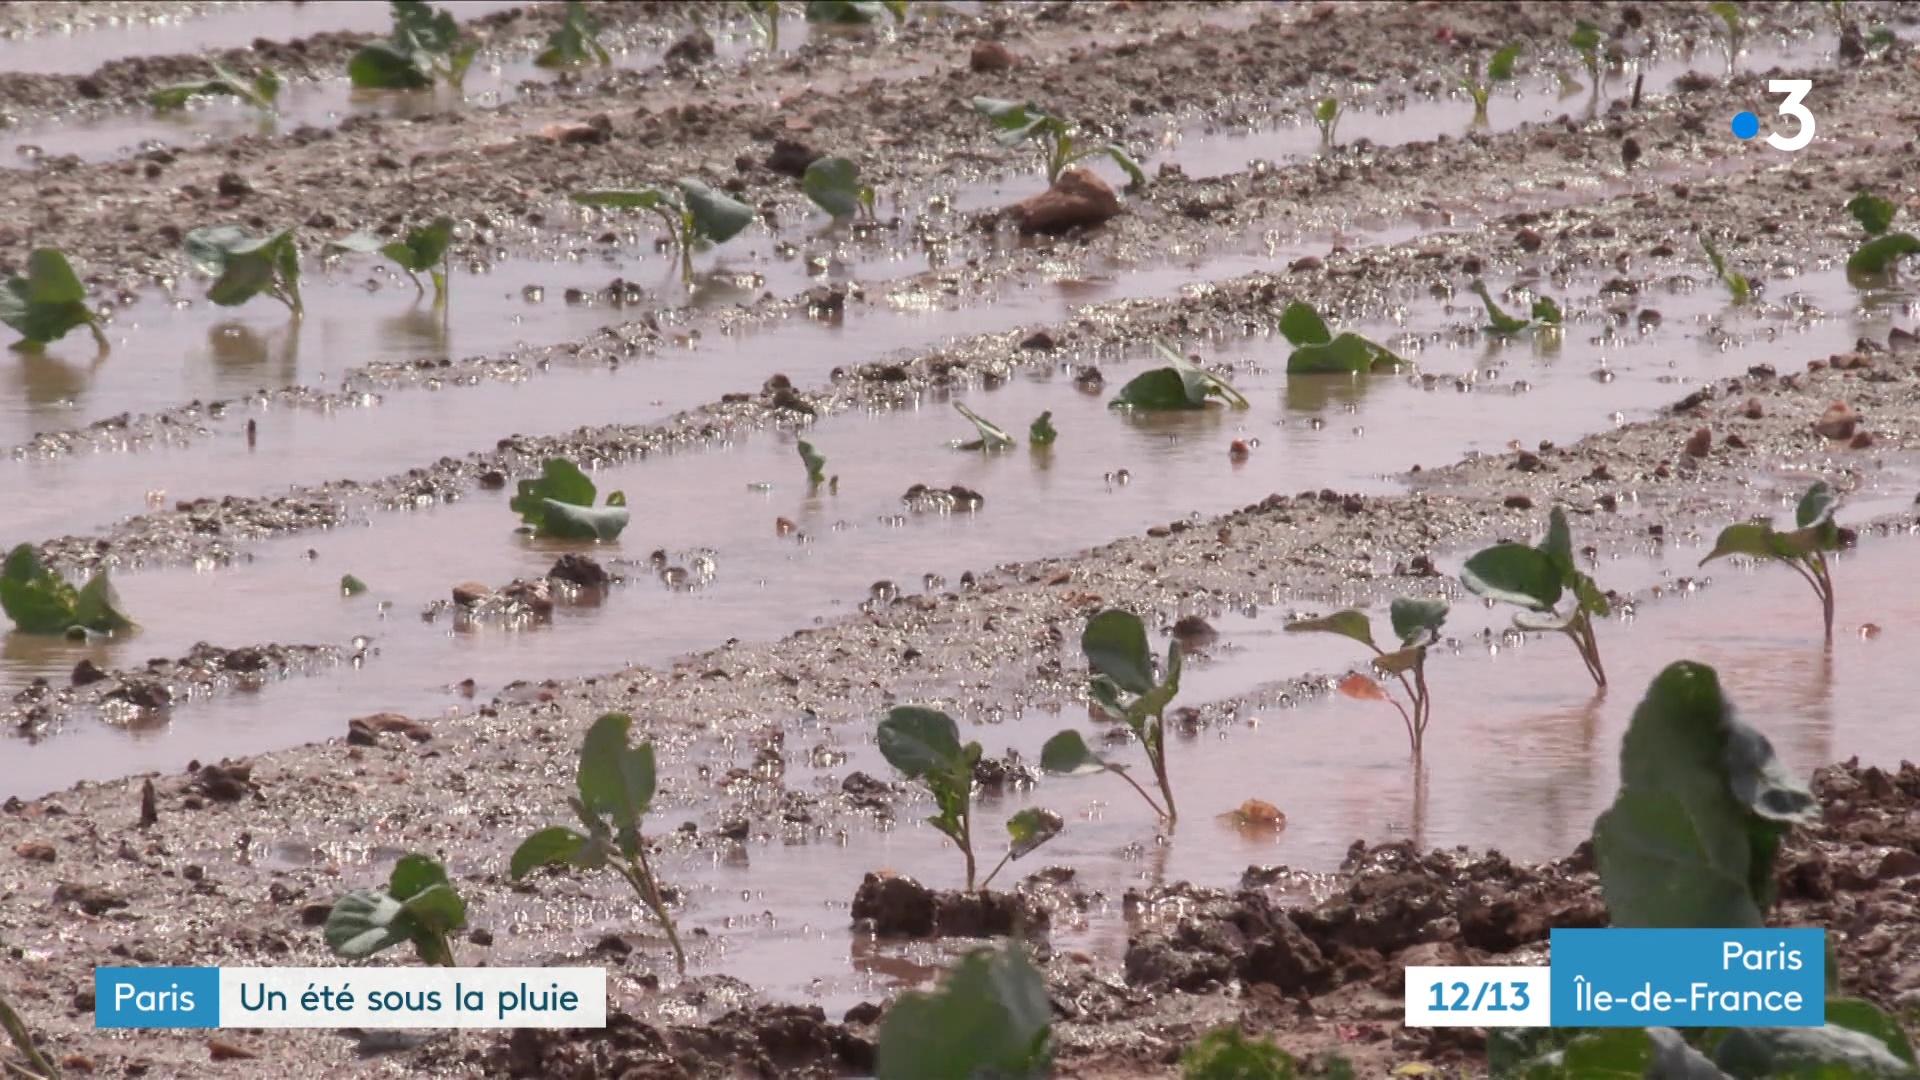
262	91
559	504
36	1066
1883	250
1586	40
47	303
1499	70
1804	549
1015	123
1316	351
419	906
1545	314
615	786
1536	578
924	744
695	214
245	266
40	601
1026	831
1123	688
1733	29
575	42
990	1018
1226	1054
816	463
855	12
1041	432
1736	282
833	183
1326	117
425	47
1182	384
1417	624
992	437
422	250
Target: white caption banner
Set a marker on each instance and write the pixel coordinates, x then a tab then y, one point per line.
425	997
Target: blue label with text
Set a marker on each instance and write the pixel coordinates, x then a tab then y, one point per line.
1689	978
156	997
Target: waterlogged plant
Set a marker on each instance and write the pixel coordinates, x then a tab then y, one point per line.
47	303
815	463
695	214
765	15
1737	284
1586	41
614	788
924	744
419	907
1733	29
1537	578
1026	831
990	1018
245	266
1416	624
855	12
425	47
1326	117
1499	70
1803	549
992	437
1226	1054
1883	249
33	1065
40	601
1316	351
1041	432
1124	689
833	183
262	91
575	42
559	504
1544	315
1058	140
421	251
1182	384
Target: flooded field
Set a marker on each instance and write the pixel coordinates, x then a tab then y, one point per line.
347	646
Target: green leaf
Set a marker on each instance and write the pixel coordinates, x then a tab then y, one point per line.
1515	574
1816	506
1829	1051
415	874
1866	1018
424	247
1417	621
559	503
558	845
560	480
1030	828
1498	321
1136	176
1736	284
1347	354
1161	389
641	199
1067	753
1400	661
989	1019
364	922
48	303
382	65
574	42
1546	313
1301	325
351	586
1041	432
1348	623
1226	1054
97	606
1015	123
816	465
615	780
991	436
1875	256
920	742
565	521
1558	544
833	183
1115	642
1749	538
1874	213
245	265
1591	599
424	26
1200	383
1500	68
847	12
1682	845
1585	37
716	218
38	600
1325	112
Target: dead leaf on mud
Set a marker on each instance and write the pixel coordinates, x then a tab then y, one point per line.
1361	688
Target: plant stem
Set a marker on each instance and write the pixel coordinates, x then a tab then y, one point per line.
966	842
23	1039
1422	705
639	874
1823	579
1004	859
1122	774
1157	754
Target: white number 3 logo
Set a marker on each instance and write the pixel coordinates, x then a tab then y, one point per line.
1796	91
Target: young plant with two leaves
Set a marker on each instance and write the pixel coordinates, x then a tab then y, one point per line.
1181	384
40	601
1803	549
244	265
1499	70
991	435
695	214
833	183
1060	142
1544	315
1123	688
1737	284
262	91
424	250
1587	42
1882	252
1416	624
989	1018
419	907
924	744
425	47
1326	117
575	42
1317	351
1537	578
558	504
614	787
1732	30
47	303
1690	842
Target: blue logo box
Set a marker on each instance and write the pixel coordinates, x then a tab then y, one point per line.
156	997
1689	978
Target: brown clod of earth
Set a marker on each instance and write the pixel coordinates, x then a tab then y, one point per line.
1701	443
366	730
1077	199
469	593
579	570
228	781
1838	422
896	906
991	56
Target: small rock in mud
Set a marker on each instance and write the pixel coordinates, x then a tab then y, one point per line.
923	499
86	673
1861	440
366	730
92	899
1838	422
867	793
1089	380
1753	410
695	48
580	570
1194	632
471	593
791	158
1077	199
228	781
34	851
233	185
1700	444
1518	502
1528	239
1040	341
990	56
